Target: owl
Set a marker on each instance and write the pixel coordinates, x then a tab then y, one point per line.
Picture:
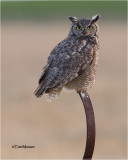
72	63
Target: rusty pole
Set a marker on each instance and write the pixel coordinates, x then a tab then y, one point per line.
90	120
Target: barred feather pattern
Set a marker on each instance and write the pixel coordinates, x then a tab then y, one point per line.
71	64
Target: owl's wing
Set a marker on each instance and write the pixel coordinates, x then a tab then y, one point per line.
62	67
51	58
45	69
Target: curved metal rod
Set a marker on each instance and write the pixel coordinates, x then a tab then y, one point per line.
90	140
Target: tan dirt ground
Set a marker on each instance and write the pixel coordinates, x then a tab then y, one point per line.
57	129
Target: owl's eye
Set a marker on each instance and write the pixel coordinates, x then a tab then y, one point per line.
89	27
78	28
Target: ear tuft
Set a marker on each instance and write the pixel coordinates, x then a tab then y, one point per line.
73	19
95	18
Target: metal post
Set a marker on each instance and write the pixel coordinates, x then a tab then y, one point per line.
90	120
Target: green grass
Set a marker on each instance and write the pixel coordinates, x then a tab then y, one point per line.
45	10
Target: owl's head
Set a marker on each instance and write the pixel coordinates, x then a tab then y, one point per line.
82	27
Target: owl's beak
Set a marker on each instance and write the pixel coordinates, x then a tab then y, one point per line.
84	32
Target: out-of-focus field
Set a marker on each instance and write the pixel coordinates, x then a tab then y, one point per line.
57	129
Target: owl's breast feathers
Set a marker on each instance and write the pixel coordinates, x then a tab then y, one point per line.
72	64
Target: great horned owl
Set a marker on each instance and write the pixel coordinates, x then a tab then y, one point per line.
72	63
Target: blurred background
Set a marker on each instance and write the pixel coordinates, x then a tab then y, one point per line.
30	30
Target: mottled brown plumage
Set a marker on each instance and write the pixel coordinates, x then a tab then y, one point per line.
72	63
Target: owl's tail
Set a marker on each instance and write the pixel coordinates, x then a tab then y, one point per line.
40	91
